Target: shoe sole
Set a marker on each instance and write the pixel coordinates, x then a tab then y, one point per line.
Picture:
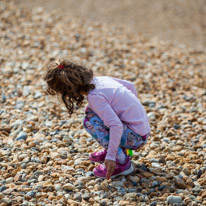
97	162
126	172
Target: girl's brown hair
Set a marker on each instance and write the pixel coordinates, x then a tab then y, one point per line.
69	80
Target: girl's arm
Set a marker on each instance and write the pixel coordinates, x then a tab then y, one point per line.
129	85
102	108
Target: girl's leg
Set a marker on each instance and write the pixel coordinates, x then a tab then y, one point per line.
131	140
96	128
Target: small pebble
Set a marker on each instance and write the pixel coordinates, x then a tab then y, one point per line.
155	184
31	193
9	180
153	203
174	199
69	186
21	136
2	188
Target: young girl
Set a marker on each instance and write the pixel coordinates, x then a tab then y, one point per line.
114	116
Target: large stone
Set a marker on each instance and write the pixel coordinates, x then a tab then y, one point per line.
174	200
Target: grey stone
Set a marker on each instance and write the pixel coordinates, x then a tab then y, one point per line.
174	199
9	180
21	136
26	91
155	184
2	188
25	65
32	179
20	104
6	200
151	116
132	190
17	123
149	103
37	95
154	145
154	203
89	174
79	161
154	164
35	159
3	98
116	184
23	166
31	193
58	187
38	187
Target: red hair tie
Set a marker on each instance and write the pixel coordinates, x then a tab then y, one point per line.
61	67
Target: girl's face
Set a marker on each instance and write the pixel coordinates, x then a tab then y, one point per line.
89	125
131	137
130	142
101	129
89	116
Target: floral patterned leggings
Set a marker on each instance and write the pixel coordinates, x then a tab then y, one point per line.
96	128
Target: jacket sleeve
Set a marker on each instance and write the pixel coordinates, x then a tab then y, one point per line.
103	109
129	85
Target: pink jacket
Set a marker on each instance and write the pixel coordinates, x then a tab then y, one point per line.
115	102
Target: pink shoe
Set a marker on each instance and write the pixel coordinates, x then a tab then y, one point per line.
98	156
121	169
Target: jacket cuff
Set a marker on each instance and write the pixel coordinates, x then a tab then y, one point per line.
110	157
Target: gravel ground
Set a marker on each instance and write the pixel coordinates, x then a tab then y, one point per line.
44	150
179	21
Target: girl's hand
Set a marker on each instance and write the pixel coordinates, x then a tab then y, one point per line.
110	165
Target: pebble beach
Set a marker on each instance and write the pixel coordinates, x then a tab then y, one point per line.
44	151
